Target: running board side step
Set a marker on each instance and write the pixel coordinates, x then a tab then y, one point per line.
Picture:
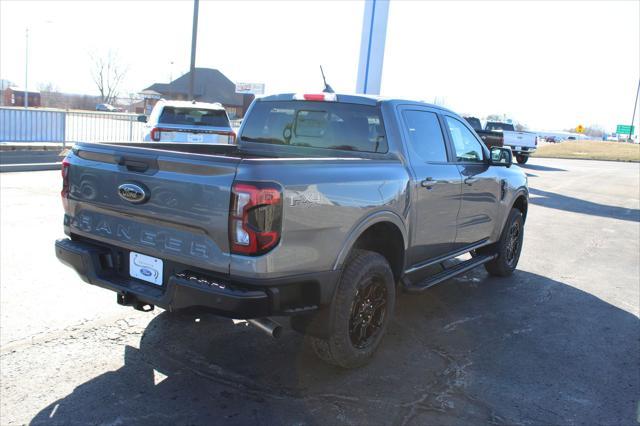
448	273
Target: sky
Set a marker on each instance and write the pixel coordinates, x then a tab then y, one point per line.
548	64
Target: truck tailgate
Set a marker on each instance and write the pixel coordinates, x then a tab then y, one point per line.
520	139
164	204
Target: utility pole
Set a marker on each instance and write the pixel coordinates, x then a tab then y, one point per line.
194	36
26	67
633	117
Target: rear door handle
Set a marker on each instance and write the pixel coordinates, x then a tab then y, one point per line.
429	182
470	180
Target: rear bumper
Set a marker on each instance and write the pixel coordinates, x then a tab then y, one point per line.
523	150
107	267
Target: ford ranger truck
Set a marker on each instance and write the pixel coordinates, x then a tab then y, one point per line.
327	207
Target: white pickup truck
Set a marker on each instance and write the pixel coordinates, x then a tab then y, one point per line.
190	122
522	144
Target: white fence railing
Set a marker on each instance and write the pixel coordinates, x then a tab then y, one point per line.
42	125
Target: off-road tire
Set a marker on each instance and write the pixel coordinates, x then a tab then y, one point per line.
508	255
361	268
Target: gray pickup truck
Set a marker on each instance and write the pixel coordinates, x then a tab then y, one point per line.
327	207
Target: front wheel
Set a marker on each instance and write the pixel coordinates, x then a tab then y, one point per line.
522	159
508	248
361	310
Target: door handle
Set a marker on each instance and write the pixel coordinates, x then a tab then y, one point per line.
429	182
470	180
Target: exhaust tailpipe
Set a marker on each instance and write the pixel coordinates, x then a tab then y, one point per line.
270	327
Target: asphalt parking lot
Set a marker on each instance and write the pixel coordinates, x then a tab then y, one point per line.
557	343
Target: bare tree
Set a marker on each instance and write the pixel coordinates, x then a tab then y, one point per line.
47	87
50	96
108	74
495	117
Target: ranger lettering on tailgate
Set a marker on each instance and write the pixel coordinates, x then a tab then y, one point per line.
161	239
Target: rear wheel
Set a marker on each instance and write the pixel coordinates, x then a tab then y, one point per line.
522	159
508	248
360	313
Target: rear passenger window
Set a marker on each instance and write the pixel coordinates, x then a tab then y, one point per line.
425	135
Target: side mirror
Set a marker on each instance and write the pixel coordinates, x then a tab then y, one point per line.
501	156
142	118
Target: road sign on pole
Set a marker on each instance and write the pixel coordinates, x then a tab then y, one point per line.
253	88
625	129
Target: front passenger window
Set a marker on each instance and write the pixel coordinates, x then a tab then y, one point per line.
468	148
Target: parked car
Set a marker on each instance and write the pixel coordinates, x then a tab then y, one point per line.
192	122
106	108
327	207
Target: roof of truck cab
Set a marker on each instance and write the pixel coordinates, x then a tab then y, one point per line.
355	99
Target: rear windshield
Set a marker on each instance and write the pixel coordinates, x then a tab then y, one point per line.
328	125
194	117
497	127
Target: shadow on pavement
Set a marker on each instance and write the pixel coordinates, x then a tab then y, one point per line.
540	168
526	349
562	202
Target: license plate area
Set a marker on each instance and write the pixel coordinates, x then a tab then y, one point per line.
195	137
145	268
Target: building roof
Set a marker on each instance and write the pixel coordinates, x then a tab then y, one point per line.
209	85
21	89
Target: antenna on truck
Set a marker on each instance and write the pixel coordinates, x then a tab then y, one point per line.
327	88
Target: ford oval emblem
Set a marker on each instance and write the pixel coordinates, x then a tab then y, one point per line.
146	272
132	193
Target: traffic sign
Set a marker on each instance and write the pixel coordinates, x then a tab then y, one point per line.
580	128
253	88
625	129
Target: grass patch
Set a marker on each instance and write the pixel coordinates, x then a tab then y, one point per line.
590	150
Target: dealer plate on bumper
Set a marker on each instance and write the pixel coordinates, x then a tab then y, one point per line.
145	268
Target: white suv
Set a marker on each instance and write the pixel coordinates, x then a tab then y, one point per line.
190	122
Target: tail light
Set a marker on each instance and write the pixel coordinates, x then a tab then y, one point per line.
327	97
65	183
255	217
156	134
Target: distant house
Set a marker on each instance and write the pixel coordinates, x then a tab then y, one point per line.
209	86
14	96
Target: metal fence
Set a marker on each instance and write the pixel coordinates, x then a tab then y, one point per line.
41	125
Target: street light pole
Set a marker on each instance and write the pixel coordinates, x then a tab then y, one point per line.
194	36
26	67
